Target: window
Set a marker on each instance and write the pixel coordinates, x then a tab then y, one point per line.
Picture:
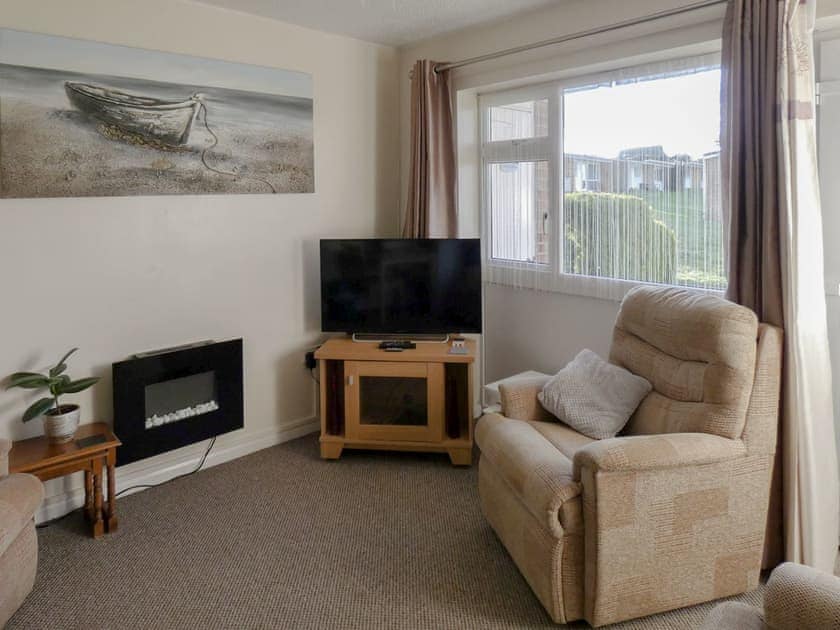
606	181
519	202
518	179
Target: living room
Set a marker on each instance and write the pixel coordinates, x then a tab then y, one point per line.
409	135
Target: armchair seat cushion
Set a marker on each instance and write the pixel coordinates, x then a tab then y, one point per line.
20	496
535	460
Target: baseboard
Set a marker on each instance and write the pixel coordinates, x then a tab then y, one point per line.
163	467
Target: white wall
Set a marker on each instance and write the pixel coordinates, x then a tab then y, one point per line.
533	330
526	329
119	275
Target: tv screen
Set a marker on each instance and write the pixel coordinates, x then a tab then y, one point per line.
401	286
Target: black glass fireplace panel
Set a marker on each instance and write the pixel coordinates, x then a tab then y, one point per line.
203	376
178	399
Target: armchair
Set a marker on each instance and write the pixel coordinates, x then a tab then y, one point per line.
20	496
673	511
797	597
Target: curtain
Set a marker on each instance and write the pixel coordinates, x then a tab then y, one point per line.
430	211
775	256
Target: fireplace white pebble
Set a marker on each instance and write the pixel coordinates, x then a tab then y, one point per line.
156	420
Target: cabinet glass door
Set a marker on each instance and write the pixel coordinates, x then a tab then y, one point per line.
394	401
397	400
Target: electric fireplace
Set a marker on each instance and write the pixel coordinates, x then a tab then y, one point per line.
170	398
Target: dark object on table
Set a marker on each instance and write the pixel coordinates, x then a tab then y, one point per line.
397	345
90	440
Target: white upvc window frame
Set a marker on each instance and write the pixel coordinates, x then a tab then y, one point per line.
539	149
550	148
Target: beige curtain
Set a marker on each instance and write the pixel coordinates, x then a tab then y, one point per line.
430	211
768	144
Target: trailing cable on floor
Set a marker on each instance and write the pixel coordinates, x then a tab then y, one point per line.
141	485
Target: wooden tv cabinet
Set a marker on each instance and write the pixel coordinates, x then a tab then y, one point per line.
414	400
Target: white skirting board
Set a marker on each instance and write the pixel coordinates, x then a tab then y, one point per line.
163	467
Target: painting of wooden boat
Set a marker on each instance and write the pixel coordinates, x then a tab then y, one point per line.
164	121
179	125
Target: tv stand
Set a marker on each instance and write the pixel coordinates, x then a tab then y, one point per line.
419	399
378	338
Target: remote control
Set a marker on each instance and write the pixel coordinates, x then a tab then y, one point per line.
401	345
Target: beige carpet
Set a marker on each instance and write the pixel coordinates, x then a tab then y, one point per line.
281	539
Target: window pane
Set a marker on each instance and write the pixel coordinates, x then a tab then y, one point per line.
520	120
642	180
519	203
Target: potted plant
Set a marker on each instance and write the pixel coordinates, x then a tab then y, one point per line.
60	421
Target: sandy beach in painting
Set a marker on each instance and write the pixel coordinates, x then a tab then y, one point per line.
48	148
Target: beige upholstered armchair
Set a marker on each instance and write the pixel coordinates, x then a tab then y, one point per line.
797	597
20	496
673	511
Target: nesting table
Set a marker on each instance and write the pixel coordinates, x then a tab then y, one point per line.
93	450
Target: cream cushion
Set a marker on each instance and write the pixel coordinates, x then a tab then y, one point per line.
592	396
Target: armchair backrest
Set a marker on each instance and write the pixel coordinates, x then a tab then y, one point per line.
699	353
761	430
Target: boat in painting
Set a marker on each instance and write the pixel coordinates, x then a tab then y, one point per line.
160	121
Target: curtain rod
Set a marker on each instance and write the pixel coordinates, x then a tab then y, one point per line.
441	67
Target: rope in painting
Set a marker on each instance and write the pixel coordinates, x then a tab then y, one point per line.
213	146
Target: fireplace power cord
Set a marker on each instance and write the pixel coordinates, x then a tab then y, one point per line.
141	485
181	476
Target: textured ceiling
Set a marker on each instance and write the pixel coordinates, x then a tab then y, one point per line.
392	22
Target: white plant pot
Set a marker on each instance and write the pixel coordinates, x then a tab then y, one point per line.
61	427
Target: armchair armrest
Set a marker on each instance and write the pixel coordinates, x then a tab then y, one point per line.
537	472
637	453
20	496
519	399
801	597
665	505
5	447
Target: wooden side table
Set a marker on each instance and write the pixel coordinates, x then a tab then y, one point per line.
38	457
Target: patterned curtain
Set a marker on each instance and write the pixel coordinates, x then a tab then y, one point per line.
771	189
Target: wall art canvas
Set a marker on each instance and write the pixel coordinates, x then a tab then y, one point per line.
81	118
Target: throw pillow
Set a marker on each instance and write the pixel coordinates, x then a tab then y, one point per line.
594	397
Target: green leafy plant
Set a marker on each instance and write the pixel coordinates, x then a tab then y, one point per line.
55	380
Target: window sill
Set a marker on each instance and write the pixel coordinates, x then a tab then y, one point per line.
610	289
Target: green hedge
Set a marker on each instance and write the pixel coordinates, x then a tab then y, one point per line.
617	236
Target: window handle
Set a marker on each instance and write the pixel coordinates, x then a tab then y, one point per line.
350	380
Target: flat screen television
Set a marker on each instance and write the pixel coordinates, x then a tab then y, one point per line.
401	286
